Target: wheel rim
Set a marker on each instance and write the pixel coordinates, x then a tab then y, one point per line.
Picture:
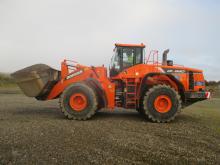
78	102
163	104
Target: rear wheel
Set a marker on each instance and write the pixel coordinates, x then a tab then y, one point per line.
78	102
161	103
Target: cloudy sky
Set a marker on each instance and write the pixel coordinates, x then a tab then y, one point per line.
47	31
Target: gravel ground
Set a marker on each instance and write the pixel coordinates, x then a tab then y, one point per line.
35	132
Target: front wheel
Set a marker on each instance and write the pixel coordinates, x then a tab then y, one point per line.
78	102
161	104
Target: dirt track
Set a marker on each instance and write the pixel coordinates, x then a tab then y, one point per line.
33	132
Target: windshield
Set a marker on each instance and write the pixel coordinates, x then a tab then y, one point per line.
115	61
115	64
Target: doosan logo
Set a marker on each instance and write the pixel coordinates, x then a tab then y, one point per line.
74	74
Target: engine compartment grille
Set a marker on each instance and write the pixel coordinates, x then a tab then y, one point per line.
191	80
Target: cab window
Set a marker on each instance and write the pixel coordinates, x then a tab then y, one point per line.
128	57
138	59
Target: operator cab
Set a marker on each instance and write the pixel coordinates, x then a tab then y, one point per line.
125	56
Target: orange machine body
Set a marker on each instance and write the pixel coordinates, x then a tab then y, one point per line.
72	73
157	90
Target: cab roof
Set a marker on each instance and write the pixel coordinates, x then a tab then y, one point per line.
130	45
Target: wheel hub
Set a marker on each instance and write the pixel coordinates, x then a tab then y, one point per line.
78	102
163	104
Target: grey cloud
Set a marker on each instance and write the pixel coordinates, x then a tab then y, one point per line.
46	31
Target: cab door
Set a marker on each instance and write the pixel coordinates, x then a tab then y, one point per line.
131	56
125	57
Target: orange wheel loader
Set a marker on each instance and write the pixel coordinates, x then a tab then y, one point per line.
157	90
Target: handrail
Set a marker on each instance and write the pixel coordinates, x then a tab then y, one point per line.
70	63
153	54
155	60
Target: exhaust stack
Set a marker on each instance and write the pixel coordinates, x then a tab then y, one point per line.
164	61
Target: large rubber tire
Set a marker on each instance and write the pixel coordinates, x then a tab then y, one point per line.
91	99
151	111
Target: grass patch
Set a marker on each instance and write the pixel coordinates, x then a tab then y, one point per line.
6	80
207	112
215	89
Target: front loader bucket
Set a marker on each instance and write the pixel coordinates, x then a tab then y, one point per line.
36	80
